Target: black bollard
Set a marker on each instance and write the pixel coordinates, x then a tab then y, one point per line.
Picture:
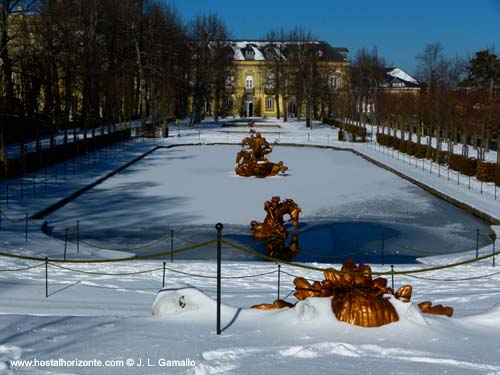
382	254
477	243
392	276
171	246
219	227
46	277
65	243
279	279
77	237
163	283
26	229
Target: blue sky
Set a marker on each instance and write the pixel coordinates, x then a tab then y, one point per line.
399	29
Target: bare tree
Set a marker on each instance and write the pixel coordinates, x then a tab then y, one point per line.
206	33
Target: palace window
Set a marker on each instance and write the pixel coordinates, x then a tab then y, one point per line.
249	82
269	103
270	81
332	82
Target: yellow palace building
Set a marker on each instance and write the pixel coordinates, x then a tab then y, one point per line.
250	88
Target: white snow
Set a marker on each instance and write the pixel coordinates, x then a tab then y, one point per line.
104	316
398	73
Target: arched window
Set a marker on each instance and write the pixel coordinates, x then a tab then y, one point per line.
269	103
249	82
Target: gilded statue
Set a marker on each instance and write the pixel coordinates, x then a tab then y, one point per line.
273	225
357	298
252	160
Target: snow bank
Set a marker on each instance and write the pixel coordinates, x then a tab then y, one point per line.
180	298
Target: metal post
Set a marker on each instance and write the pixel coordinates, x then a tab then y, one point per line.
26	229
477	243
383	248
171	246
163	283
481	187
279	279
65	243
77	236
46	277
392	276
494	241
308	137
469	183
219	227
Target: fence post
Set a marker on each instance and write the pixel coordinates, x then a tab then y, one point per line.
26	229
46	277
65	243
219	227
494	241
163	283
279	279
477	243
392	276
383	248
171	246
77	236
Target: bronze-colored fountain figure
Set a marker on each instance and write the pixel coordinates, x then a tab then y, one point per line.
273	230
252	160
357	298
273	225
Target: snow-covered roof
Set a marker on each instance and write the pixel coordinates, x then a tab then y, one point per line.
399	73
258	47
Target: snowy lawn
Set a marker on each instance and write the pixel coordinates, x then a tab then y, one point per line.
102	316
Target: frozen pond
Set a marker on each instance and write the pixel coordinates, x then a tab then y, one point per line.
348	205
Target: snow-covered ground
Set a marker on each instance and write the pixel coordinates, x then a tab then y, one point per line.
107	316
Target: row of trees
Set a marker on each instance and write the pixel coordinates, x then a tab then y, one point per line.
458	101
298	70
91	61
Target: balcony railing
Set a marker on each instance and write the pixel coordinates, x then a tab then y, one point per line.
269	90
249	90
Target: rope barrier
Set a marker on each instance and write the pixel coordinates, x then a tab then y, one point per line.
226	277
105	273
141	257
140	247
470	261
362	250
452	280
21	269
190	241
431	252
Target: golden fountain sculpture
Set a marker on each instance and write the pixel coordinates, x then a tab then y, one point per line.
273	231
357	298
252	159
273	225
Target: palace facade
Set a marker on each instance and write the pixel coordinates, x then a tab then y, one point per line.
250	88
